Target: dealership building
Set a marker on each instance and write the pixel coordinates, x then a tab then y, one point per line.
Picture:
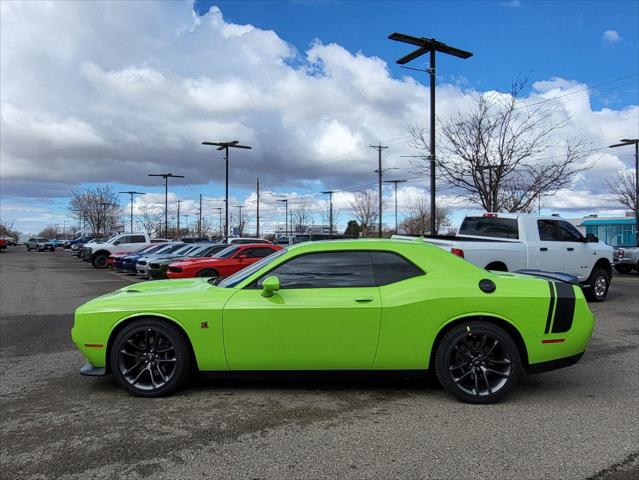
615	231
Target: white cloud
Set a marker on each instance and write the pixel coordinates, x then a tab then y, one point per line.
109	92
610	37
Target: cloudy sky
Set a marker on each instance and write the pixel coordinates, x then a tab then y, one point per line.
106	93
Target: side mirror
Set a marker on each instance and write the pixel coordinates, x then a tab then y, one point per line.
269	286
117	242
591	238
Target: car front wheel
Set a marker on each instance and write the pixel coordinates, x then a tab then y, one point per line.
477	362
599	282
99	261
150	358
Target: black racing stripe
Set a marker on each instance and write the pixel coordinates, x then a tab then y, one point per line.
550	307
565	311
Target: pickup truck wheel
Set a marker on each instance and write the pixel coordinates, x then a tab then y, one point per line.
150	358
477	362
28	248
207	272
99	261
599	282
623	268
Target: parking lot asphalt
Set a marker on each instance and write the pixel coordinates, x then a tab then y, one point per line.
574	423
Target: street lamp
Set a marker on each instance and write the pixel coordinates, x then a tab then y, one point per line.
285	200
132	193
429	45
395	182
225	146
330	211
625	142
166	177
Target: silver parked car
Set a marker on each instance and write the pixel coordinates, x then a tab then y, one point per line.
40	244
626	259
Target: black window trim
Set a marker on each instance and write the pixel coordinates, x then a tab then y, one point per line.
253	285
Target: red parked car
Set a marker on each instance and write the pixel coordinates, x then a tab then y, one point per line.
223	263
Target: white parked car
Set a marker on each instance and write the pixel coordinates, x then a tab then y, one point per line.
520	241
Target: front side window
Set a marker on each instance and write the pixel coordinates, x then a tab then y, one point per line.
228	252
137	239
325	270
568	232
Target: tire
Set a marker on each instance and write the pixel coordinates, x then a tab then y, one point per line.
144	370
28	248
485	377
99	261
599	282
623	268
207	272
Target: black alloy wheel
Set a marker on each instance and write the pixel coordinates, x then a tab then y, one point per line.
150	358
477	362
99	261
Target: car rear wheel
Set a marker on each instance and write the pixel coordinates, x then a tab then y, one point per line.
99	261
623	268
599	282
150	358
207	272
477	362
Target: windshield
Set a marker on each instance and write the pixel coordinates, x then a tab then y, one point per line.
112	239
198	250
227	252
238	277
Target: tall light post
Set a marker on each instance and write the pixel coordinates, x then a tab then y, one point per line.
395	182
379	172
225	146
219	211
132	193
330	211
166	177
429	45
285	200
625	142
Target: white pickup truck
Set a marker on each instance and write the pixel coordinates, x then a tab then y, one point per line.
518	241
97	253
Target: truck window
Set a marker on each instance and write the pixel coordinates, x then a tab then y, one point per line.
548	231
568	232
490	227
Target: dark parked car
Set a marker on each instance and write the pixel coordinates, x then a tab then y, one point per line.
129	262
157	267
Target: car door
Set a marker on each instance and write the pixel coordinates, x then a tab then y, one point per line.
578	253
130	243
552	250
325	316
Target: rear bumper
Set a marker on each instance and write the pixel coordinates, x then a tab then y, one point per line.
554	364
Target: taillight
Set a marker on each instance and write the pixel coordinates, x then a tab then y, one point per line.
490	215
457	251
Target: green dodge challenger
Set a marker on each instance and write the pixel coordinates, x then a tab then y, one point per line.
341	305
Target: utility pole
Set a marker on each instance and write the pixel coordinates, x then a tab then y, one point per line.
330	211
132	193
429	45
219	211
286	224
635	142
257	220
240	229
225	146
178	219
379	172
395	182
166	177
199	219
492	192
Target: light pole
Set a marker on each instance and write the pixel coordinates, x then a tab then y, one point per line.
132	193
188	231
219	211
285	200
166	177
635	142
492	193
225	146
257	215
379	172
429	45
330	211
395	182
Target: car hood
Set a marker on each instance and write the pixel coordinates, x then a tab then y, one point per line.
161	295
197	261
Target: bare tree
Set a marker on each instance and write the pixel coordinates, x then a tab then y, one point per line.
7	230
97	207
325	216
418	220
622	187
365	211
149	219
301	217
50	231
503	153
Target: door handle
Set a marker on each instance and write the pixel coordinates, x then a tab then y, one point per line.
364	299
544	249
570	249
